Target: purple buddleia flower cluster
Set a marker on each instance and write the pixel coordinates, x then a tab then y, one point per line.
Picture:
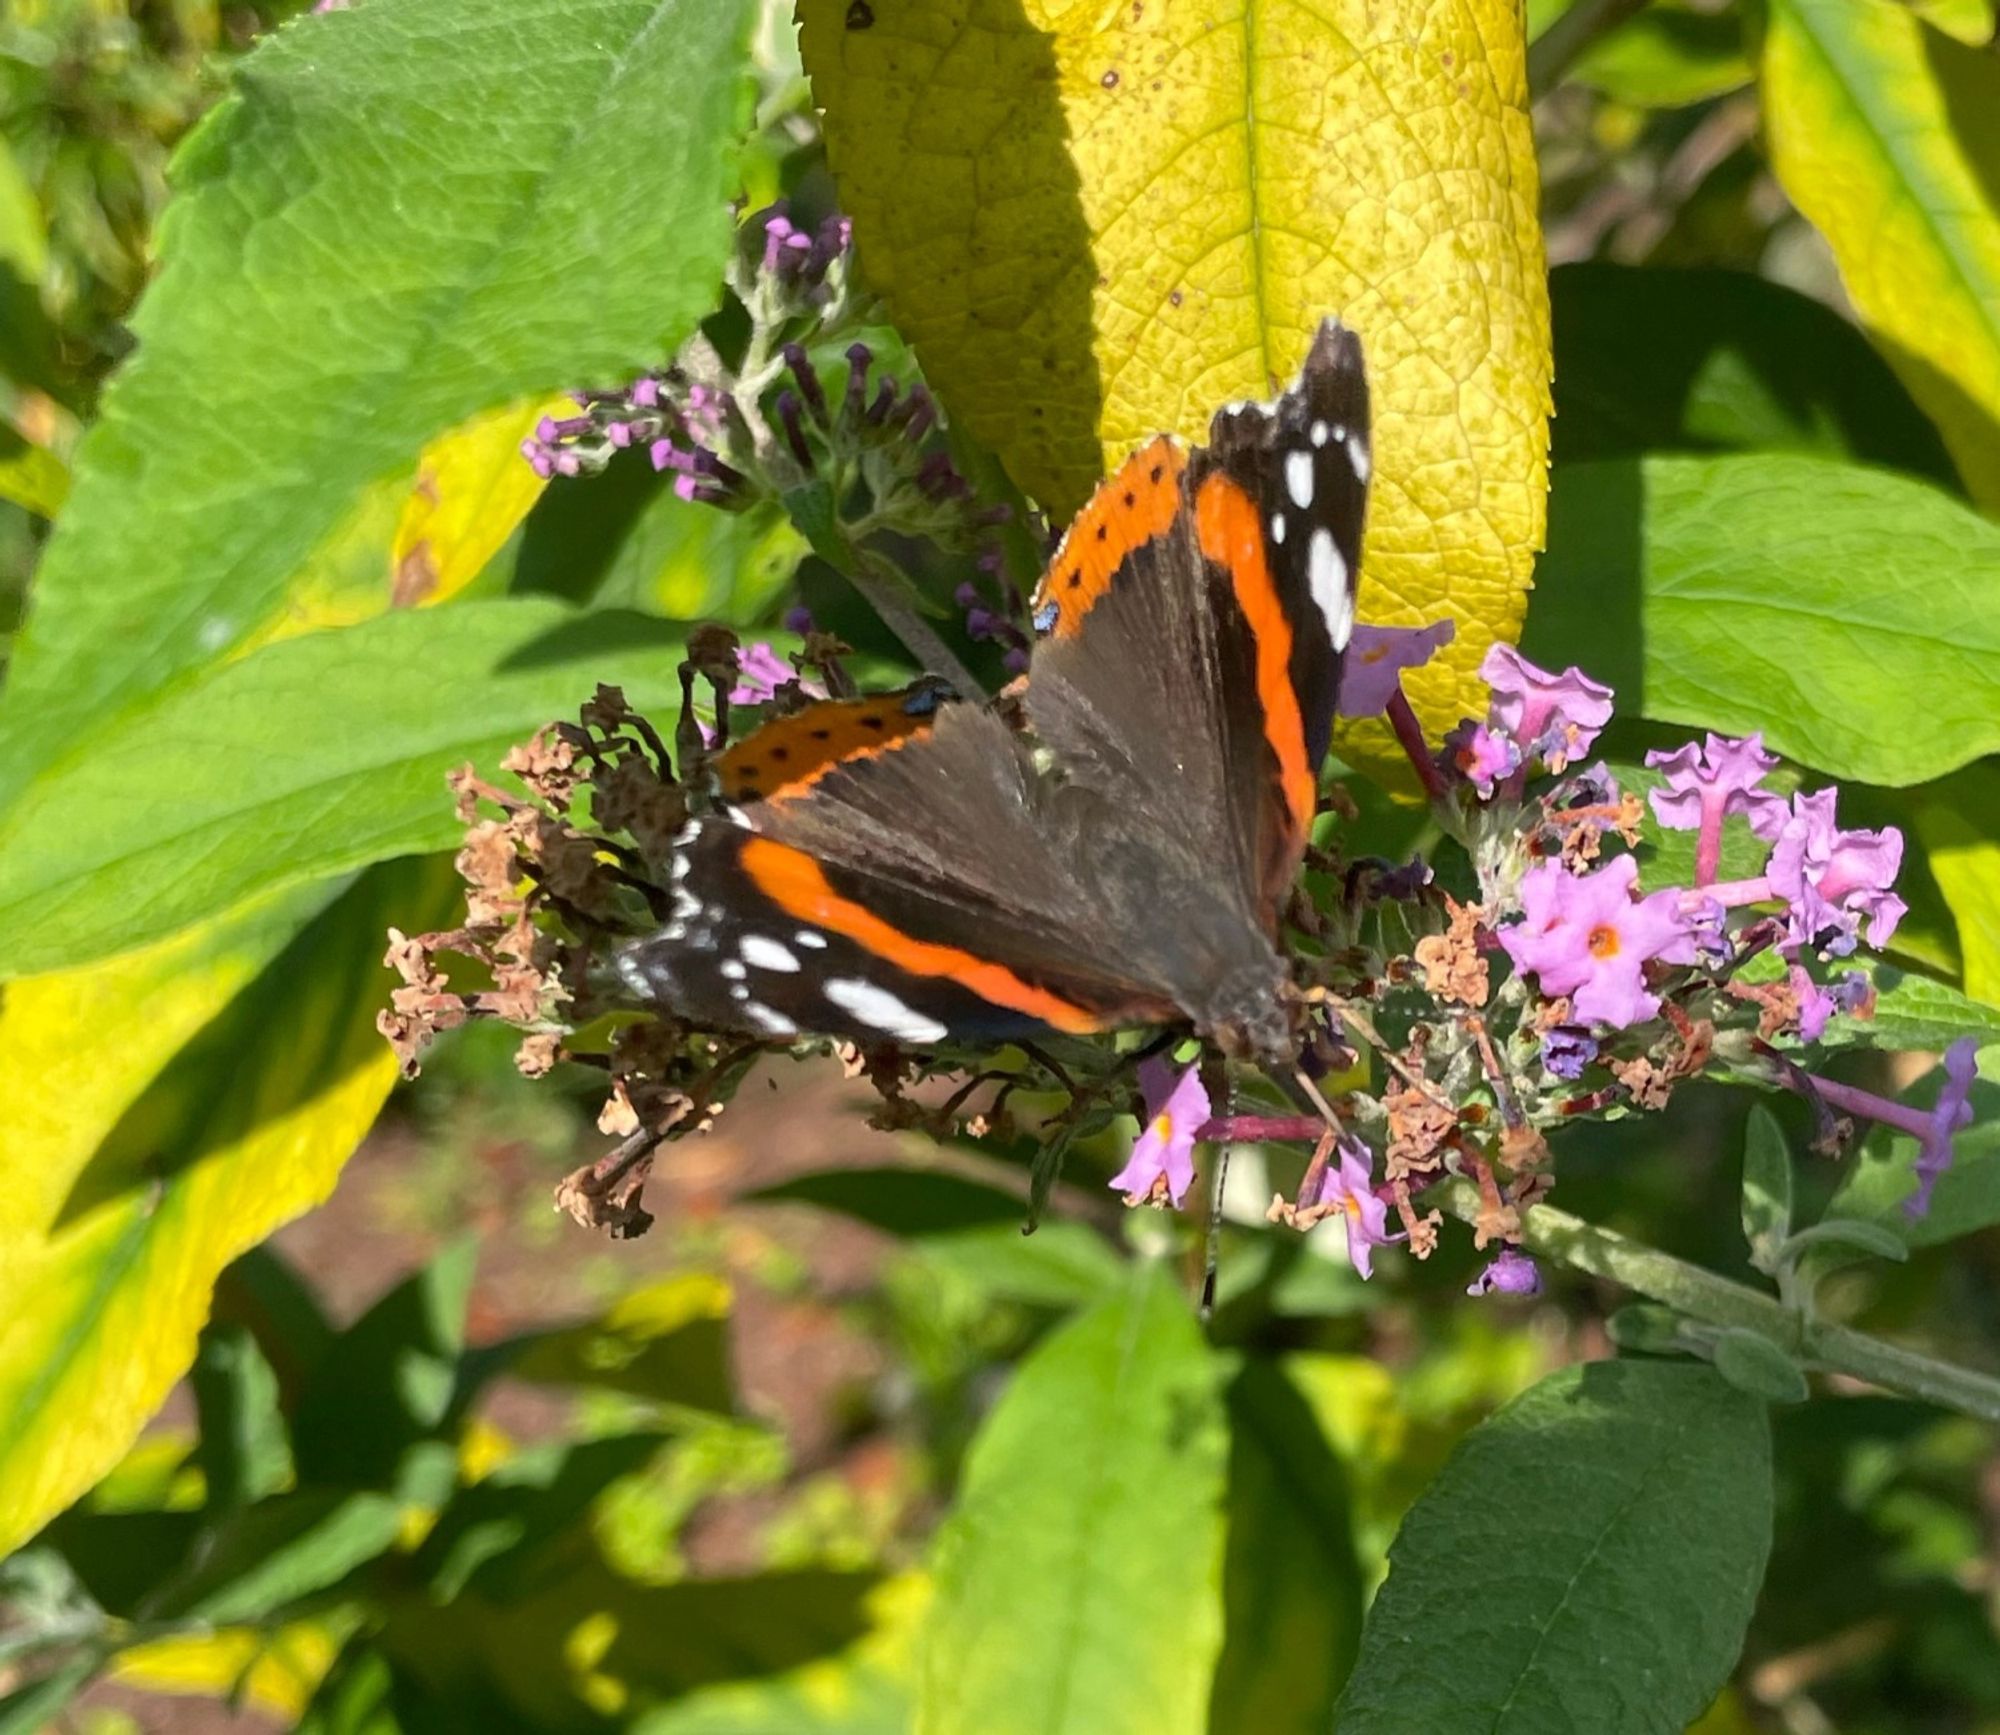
800	417
1612	994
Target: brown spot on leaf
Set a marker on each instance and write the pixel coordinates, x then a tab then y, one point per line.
416	576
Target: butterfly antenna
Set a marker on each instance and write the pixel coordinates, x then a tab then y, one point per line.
1213	1260
1319	1102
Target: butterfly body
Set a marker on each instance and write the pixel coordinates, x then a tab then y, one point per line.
1122	860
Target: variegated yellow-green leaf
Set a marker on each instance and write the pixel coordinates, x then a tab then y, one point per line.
473	488
166	1110
1955	822
1097	219
1883	131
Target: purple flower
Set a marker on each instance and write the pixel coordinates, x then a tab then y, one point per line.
1348	1186
1376	659
1554	718
1589	936
1566	1051
798	619
1817	1005
760	672
1161	1168
1513	1273
1483	757
785	246
1933	1128
1834	879
1706	784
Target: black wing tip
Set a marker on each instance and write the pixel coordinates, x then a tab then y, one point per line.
1336	349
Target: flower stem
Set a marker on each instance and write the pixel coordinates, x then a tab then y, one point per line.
1702	1295
883	595
1410	737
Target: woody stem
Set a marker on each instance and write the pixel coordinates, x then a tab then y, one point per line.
1703	1296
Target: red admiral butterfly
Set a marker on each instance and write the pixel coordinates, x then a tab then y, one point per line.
914	868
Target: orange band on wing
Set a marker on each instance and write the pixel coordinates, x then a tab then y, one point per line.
1230	534
797	884
787	755
1128	510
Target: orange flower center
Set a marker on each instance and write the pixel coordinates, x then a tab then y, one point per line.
1604	941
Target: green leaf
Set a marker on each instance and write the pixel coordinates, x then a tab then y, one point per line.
1752	1363
24	237
1803	597
901	1201
666	1341
1915	1012
549	1657
1767	1188
308	758
496	1531
388	1380
1867	1237
864	1690
31	476
1883	132
1666	57
1089	1533
1730	362
167	1111
34	1709
268	1556
405	215
1062	1264
1588	1559
242	1449
1292	1594
1648	1327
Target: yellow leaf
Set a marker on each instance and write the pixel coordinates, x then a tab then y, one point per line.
167	1110
1096	219
473	488
277	1672
1955	823
31	476
1883	132
405	542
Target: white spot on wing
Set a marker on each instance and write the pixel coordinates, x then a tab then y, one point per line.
767	954
1277	527
1319	433
807	937
731	970
1327	573
771	1023
880	1010
1357	452
1299	478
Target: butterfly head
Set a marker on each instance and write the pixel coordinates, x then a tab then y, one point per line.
1251	1017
